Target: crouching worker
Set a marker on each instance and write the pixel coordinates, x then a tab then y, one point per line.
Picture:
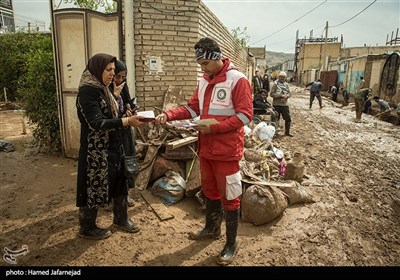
384	108
101	174
262	107
224	94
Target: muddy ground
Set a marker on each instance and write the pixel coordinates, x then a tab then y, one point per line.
352	171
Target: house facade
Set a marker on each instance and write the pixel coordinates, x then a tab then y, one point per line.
155	38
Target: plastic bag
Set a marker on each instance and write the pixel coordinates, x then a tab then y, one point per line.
264	131
170	188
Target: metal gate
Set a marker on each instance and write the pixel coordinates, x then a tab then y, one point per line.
390	77
78	34
328	78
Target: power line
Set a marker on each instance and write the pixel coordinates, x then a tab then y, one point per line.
20	17
342	22
354	15
290	23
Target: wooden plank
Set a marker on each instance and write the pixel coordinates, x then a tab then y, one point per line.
181	142
193	177
158	207
143	177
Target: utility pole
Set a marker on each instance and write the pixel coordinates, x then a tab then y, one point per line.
325	65
296	53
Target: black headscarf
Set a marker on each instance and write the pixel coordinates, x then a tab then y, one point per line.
126	97
120	66
93	76
98	63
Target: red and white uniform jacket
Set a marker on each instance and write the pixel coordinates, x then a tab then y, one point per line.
227	98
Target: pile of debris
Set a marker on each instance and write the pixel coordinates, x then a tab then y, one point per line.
170	169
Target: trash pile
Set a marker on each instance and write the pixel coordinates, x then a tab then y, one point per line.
271	178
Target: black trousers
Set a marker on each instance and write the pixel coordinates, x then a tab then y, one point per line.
318	96
284	111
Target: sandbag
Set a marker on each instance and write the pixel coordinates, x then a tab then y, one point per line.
262	204
296	193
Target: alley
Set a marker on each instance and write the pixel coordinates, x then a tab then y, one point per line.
352	172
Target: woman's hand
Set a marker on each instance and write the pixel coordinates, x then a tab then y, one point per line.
118	89
135	120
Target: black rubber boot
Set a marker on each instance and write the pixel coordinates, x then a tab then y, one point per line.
121	220
231	246
88	228
287	129
212	230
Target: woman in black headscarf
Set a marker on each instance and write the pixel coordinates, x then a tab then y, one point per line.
127	107
120	88
100	164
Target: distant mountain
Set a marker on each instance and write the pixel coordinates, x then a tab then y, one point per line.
274	58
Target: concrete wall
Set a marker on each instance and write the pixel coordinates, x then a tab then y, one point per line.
356	69
373	70
312	55
360	51
351	70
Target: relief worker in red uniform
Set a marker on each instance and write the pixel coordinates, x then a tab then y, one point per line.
223	93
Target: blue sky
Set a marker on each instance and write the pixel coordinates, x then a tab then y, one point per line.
273	23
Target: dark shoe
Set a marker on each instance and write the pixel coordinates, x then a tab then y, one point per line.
228	254
204	234
289	134
231	247
88	228
121	220
129	226
95	233
212	230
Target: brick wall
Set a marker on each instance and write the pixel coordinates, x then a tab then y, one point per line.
210	26
165	34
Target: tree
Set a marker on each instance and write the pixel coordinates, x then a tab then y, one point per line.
27	70
108	6
40	95
241	36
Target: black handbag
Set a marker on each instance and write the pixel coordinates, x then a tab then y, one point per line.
131	167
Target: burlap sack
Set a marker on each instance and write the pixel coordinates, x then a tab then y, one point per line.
262	204
296	193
